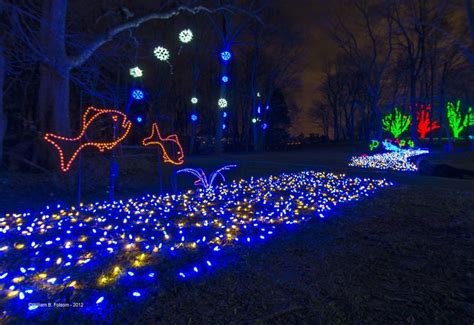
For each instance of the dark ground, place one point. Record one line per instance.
(403, 255)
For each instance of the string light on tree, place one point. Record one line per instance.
(139, 119)
(186, 36)
(194, 117)
(264, 126)
(222, 102)
(136, 72)
(254, 120)
(396, 123)
(457, 122)
(225, 79)
(161, 53)
(425, 122)
(194, 100)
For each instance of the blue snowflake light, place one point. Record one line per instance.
(226, 55)
(138, 94)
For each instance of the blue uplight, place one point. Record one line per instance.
(225, 55)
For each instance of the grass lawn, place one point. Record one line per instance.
(403, 254)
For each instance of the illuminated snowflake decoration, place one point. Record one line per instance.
(194, 100)
(225, 55)
(222, 102)
(138, 94)
(136, 72)
(186, 36)
(161, 53)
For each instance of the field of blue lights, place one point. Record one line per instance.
(90, 253)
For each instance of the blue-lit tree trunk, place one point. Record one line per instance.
(3, 118)
(253, 92)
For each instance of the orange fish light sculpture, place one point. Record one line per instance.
(115, 124)
(170, 142)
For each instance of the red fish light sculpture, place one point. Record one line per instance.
(172, 140)
(115, 122)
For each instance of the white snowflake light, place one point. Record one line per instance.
(194, 100)
(136, 72)
(222, 102)
(161, 53)
(186, 36)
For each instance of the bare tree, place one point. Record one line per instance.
(56, 63)
(371, 58)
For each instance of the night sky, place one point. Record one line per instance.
(308, 18)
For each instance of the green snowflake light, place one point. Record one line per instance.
(456, 122)
(396, 123)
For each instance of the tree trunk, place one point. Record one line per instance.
(413, 133)
(3, 118)
(53, 100)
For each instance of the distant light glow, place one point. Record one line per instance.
(225, 79)
(194, 100)
(194, 117)
(254, 120)
(139, 119)
(264, 126)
